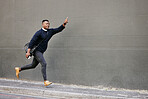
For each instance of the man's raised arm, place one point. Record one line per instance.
(59, 29)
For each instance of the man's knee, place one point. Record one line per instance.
(33, 65)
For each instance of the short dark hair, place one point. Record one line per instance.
(45, 20)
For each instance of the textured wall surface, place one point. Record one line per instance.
(105, 42)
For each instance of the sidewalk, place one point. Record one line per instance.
(66, 91)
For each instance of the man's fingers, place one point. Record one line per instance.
(26, 56)
(67, 19)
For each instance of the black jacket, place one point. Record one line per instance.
(40, 35)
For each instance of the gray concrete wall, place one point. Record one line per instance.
(105, 42)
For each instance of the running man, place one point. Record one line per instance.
(46, 34)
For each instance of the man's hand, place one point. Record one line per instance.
(27, 55)
(65, 22)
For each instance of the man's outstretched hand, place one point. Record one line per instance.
(66, 21)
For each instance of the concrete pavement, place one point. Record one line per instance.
(19, 96)
(57, 91)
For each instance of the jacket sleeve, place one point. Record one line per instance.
(57, 30)
(33, 40)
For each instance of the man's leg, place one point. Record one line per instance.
(39, 57)
(41, 60)
(30, 66)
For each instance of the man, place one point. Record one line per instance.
(43, 36)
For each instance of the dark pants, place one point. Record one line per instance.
(38, 58)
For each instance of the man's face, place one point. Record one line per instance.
(46, 25)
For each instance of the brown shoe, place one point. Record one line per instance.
(46, 83)
(17, 69)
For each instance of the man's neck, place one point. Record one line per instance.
(44, 29)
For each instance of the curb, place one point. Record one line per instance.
(48, 93)
(57, 91)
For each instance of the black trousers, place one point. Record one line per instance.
(38, 58)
